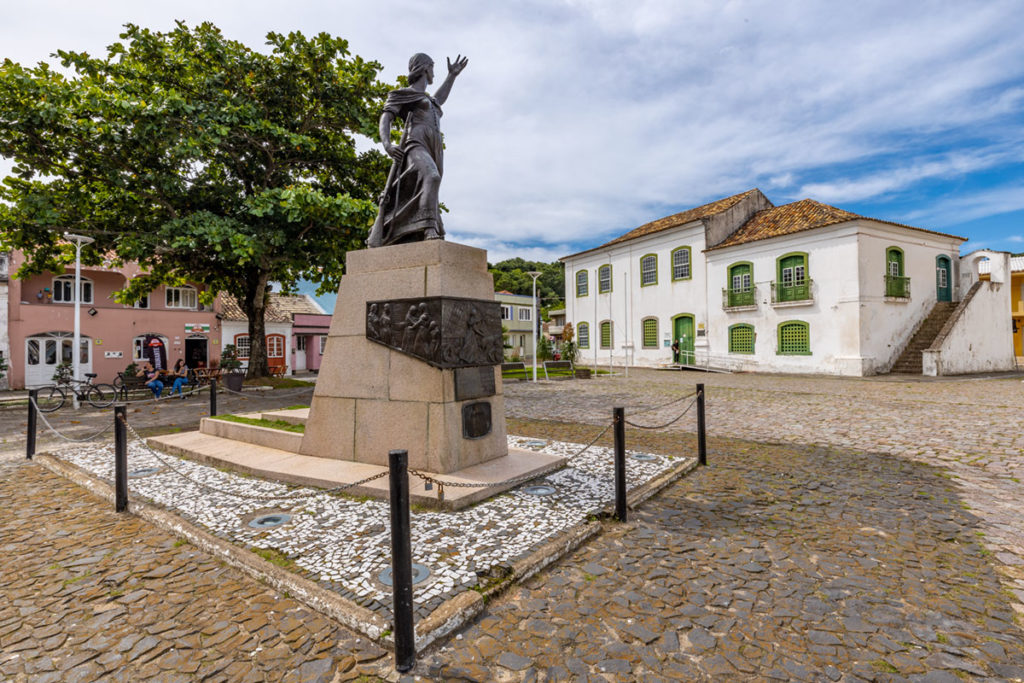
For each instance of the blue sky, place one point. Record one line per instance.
(578, 120)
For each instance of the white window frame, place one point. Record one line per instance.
(181, 295)
(681, 266)
(276, 338)
(300, 343)
(238, 346)
(506, 312)
(58, 286)
(525, 314)
(323, 343)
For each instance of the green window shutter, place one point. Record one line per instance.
(606, 335)
(583, 335)
(741, 285)
(741, 339)
(794, 338)
(650, 331)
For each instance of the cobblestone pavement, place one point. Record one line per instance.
(813, 555)
(90, 595)
(972, 427)
(777, 562)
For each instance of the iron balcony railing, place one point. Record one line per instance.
(797, 291)
(733, 298)
(897, 286)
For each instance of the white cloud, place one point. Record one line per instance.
(578, 120)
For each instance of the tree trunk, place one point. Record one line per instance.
(254, 305)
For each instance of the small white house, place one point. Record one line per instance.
(745, 285)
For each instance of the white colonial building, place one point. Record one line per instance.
(742, 284)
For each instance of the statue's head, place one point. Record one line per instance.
(421, 65)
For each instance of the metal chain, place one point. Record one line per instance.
(297, 392)
(53, 429)
(158, 399)
(441, 483)
(661, 407)
(667, 424)
(293, 496)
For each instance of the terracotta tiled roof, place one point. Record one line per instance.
(677, 219)
(273, 314)
(805, 214)
(300, 303)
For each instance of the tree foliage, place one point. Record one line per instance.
(197, 157)
(511, 275)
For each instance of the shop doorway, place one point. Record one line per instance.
(197, 351)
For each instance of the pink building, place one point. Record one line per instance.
(309, 336)
(170, 321)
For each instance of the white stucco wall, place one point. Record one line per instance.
(887, 324)
(980, 336)
(831, 315)
(230, 328)
(628, 302)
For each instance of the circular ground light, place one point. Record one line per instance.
(536, 444)
(420, 573)
(645, 457)
(143, 472)
(539, 490)
(271, 520)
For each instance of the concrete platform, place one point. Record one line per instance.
(268, 462)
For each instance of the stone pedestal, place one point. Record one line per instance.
(370, 398)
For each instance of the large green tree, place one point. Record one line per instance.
(511, 275)
(196, 156)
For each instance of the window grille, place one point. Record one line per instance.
(181, 297)
(650, 333)
(741, 339)
(604, 279)
(606, 334)
(64, 288)
(242, 344)
(583, 335)
(794, 338)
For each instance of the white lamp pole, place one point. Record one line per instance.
(534, 274)
(79, 240)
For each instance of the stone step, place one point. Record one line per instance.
(306, 470)
(911, 360)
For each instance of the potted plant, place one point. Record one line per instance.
(571, 352)
(230, 367)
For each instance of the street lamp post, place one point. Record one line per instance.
(76, 342)
(534, 274)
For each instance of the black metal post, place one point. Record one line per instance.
(30, 441)
(401, 562)
(213, 397)
(620, 464)
(120, 459)
(702, 443)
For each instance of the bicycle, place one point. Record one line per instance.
(53, 397)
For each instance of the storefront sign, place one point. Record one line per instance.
(197, 327)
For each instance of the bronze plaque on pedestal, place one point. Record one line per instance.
(476, 420)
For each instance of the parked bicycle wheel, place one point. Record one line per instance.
(101, 395)
(50, 399)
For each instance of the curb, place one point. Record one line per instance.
(451, 615)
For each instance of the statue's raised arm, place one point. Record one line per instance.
(409, 204)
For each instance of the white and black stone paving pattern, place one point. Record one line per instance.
(345, 543)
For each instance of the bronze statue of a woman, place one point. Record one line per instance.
(408, 206)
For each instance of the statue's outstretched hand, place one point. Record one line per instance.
(395, 152)
(456, 67)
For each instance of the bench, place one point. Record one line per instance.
(517, 368)
(559, 365)
(277, 370)
(127, 384)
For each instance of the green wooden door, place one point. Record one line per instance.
(682, 331)
(793, 283)
(943, 286)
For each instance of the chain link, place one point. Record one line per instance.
(297, 392)
(661, 407)
(42, 416)
(667, 424)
